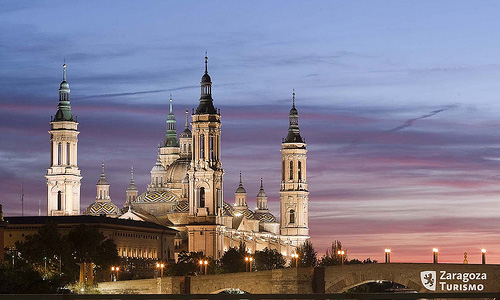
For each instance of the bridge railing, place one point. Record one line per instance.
(410, 296)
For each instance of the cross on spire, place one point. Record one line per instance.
(293, 98)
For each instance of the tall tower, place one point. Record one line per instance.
(294, 195)
(169, 150)
(131, 190)
(205, 175)
(63, 175)
(240, 196)
(262, 199)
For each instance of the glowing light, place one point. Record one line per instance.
(387, 250)
(435, 250)
(483, 250)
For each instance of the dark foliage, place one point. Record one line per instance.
(269, 260)
(307, 255)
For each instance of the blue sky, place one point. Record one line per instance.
(398, 102)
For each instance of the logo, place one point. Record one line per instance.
(428, 279)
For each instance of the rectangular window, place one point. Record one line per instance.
(202, 147)
(211, 142)
(299, 169)
(291, 170)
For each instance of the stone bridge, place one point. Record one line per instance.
(335, 279)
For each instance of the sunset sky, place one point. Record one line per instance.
(399, 103)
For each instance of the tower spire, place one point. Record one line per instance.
(186, 125)
(293, 128)
(64, 70)
(64, 107)
(206, 105)
(132, 174)
(171, 134)
(206, 62)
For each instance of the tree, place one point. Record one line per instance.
(307, 255)
(233, 260)
(331, 257)
(88, 244)
(187, 264)
(269, 260)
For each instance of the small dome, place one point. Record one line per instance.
(241, 190)
(176, 172)
(102, 208)
(64, 85)
(294, 111)
(185, 134)
(206, 78)
(158, 167)
(261, 193)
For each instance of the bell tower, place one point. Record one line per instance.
(63, 175)
(294, 196)
(205, 176)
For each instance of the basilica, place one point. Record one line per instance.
(186, 188)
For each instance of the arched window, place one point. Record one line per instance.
(291, 170)
(59, 154)
(211, 147)
(292, 216)
(283, 172)
(202, 197)
(59, 200)
(299, 170)
(202, 147)
(67, 153)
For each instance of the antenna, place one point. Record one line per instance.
(22, 199)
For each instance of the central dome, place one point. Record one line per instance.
(176, 172)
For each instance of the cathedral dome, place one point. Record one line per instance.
(176, 172)
(206, 78)
(241, 190)
(102, 208)
(265, 217)
(156, 197)
(158, 167)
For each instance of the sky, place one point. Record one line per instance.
(398, 103)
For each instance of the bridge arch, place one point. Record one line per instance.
(341, 279)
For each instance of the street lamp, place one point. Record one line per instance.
(341, 254)
(203, 263)
(160, 266)
(483, 256)
(114, 276)
(435, 252)
(249, 260)
(387, 255)
(296, 257)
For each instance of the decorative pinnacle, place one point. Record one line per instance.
(206, 62)
(132, 174)
(187, 122)
(102, 170)
(293, 98)
(261, 185)
(240, 179)
(64, 70)
(171, 103)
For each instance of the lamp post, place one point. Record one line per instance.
(341, 254)
(387, 256)
(296, 257)
(114, 276)
(249, 260)
(435, 252)
(483, 256)
(160, 266)
(203, 263)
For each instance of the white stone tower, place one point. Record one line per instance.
(205, 176)
(185, 139)
(63, 175)
(293, 193)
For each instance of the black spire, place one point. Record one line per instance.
(293, 129)
(206, 105)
